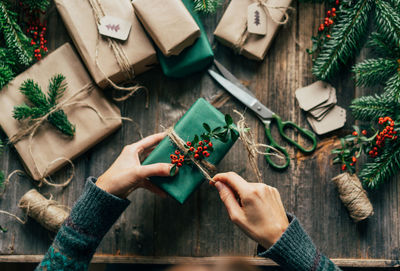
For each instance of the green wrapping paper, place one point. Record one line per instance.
(194, 58)
(189, 178)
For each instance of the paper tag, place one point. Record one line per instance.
(114, 27)
(335, 119)
(256, 19)
(315, 95)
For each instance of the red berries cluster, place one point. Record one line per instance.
(388, 132)
(177, 158)
(328, 21)
(199, 151)
(36, 30)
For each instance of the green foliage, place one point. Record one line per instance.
(392, 89)
(383, 46)
(345, 39)
(382, 168)
(33, 5)
(372, 71)
(370, 108)
(387, 21)
(41, 105)
(206, 6)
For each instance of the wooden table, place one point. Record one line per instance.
(155, 230)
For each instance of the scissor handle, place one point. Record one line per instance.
(269, 152)
(304, 132)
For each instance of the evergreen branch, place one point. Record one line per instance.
(206, 6)
(33, 5)
(370, 108)
(57, 87)
(383, 46)
(6, 75)
(14, 38)
(392, 88)
(43, 106)
(387, 21)
(382, 168)
(345, 39)
(373, 71)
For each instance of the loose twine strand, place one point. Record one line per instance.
(239, 46)
(353, 196)
(120, 56)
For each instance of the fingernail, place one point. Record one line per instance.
(218, 185)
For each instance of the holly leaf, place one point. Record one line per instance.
(207, 127)
(172, 171)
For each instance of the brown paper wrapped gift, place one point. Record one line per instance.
(48, 144)
(231, 30)
(79, 19)
(169, 24)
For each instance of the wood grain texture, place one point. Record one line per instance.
(155, 230)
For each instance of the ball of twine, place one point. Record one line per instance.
(353, 196)
(49, 213)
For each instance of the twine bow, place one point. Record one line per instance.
(120, 56)
(239, 46)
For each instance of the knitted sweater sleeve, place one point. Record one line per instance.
(92, 216)
(295, 251)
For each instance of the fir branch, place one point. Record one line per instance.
(387, 21)
(345, 38)
(42, 104)
(392, 88)
(16, 41)
(383, 46)
(370, 108)
(206, 6)
(373, 71)
(34, 5)
(382, 168)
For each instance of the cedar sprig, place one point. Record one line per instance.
(206, 6)
(40, 104)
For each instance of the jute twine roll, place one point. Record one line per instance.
(49, 213)
(353, 196)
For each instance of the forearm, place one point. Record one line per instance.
(295, 251)
(92, 216)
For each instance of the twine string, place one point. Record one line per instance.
(353, 196)
(120, 56)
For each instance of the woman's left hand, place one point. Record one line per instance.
(127, 174)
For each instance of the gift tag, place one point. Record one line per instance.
(114, 27)
(315, 95)
(335, 119)
(256, 19)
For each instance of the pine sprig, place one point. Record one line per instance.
(372, 71)
(382, 168)
(392, 89)
(41, 105)
(206, 6)
(387, 21)
(370, 108)
(345, 38)
(383, 46)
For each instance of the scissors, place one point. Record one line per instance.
(230, 83)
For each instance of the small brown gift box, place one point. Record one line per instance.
(233, 25)
(48, 144)
(169, 24)
(80, 21)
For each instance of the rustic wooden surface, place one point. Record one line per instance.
(155, 228)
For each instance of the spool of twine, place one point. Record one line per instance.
(49, 213)
(353, 196)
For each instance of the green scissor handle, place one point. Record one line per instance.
(281, 128)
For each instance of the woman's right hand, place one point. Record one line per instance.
(256, 208)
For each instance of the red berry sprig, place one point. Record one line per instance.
(328, 21)
(387, 133)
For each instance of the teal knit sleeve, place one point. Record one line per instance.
(92, 216)
(295, 251)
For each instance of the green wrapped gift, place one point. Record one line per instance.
(189, 177)
(194, 58)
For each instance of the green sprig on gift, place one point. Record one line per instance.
(41, 104)
(206, 6)
(382, 147)
(201, 146)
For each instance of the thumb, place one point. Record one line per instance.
(228, 198)
(159, 169)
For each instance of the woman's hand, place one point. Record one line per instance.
(256, 208)
(127, 174)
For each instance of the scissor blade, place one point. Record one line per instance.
(228, 75)
(251, 102)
